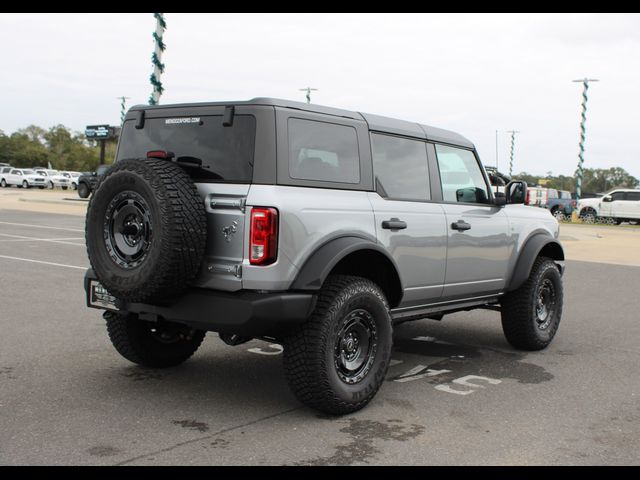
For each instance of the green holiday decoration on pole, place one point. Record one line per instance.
(585, 82)
(122, 108)
(513, 140)
(156, 59)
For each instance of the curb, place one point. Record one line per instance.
(69, 201)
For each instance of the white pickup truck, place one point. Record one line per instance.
(617, 206)
(22, 177)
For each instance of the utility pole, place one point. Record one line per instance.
(156, 59)
(122, 109)
(308, 90)
(585, 82)
(513, 141)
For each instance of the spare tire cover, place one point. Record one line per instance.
(146, 230)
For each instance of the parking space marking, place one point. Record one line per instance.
(45, 263)
(42, 226)
(21, 238)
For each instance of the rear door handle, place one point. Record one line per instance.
(460, 225)
(394, 224)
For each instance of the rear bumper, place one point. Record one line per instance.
(246, 312)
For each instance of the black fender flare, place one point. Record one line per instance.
(532, 248)
(320, 263)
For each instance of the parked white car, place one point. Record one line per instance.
(619, 205)
(73, 179)
(54, 178)
(22, 177)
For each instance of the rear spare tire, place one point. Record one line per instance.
(145, 230)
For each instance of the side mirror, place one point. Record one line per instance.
(94, 174)
(516, 191)
(499, 199)
(607, 198)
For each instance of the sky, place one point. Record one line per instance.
(471, 73)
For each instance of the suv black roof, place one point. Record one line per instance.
(376, 122)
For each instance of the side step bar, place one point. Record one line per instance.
(421, 311)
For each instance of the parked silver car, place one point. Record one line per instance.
(315, 227)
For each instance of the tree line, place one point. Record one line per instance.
(594, 180)
(65, 149)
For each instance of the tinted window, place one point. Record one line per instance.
(633, 196)
(462, 179)
(323, 151)
(226, 152)
(400, 167)
(617, 196)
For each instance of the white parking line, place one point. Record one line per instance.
(42, 226)
(45, 263)
(21, 238)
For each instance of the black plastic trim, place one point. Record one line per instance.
(528, 256)
(247, 312)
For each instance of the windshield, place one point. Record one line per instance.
(225, 153)
(27, 172)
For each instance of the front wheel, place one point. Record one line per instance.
(3, 183)
(25, 184)
(337, 360)
(152, 344)
(83, 190)
(531, 314)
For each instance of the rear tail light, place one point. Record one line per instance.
(263, 247)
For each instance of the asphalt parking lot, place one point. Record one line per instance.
(456, 393)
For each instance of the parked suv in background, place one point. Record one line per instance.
(87, 181)
(314, 227)
(54, 178)
(560, 203)
(619, 205)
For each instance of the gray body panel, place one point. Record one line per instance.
(420, 250)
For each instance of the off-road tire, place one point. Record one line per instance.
(310, 363)
(174, 249)
(137, 341)
(520, 322)
(83, 190)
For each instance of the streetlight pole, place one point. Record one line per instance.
(513, 141)
(122, 109)
(585, 82)
(308, 90)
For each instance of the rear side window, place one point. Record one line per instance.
(633, 196)
(400, 167)
(226, 153)
(322, 151)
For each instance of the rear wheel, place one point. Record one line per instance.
(74, 186)
(531, 314)
(337, 360)
(50, 185)
(152, 344)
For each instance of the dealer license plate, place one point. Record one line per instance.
(99, 297)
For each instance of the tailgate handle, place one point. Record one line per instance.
(228, 203)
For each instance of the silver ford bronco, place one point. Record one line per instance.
(313, 227)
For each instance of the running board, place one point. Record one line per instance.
(421, 311)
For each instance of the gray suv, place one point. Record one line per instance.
(314, 227)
